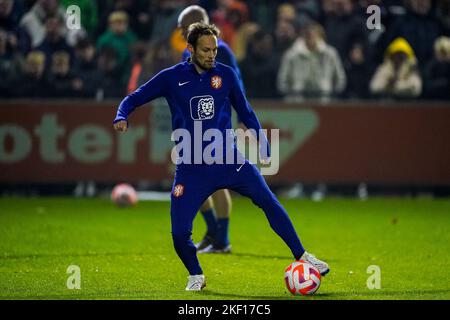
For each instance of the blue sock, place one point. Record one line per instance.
(211, 222)
(222, 232)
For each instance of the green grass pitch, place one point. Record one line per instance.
(128, 253)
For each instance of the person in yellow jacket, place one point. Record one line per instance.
(398, 75)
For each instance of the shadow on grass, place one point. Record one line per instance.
(215, 295)
(208, 292)
(265, 256)
(363, 295)
(260, 256)
(109, 254)
(403, 294)
(65, 255)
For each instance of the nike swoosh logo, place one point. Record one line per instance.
(182, 83)
(239, 169)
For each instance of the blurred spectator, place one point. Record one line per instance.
(236, 17)
(10, 14)
(397, 76)
(109, 75)
(307, 11)
(120, 38)
(139, 10)
(286, 12)
(419, 27)
(10, 57)
(60, 79)
(219, 15)
(43, 28)
(311, 68)
(10, 63)
(177, 41)
(31, 82)
(138, 52)
(260, 67)
(437, 75)
(54, 40)
(263, 13)
(104, 9)
(284, 36)
(85, 67)
(241, 39)
(443, 15)
(358, 72)
(165, 16)
(160, 56)
(34, 22)
(342, 25)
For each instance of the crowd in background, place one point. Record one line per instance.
(293, 49)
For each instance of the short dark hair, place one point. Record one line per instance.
(198, 29)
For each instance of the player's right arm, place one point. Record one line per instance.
(152, 89)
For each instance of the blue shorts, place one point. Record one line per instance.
(193, 184)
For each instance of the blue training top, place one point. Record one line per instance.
(195, 97)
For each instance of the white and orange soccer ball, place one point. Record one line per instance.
(302, 278)
(124, 195)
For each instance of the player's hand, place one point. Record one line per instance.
(121, 126)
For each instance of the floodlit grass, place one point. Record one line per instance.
(128, 253)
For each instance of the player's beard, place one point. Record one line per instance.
(202, 66)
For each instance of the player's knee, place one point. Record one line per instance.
(264, 199)
(180, 237)
(207, 205)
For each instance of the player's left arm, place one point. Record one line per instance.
(226, 56)
(248, 116)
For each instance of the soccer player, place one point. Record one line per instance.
(200, 93)
(216, 209)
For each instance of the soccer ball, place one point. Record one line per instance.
(302, 278)
(124, 195)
